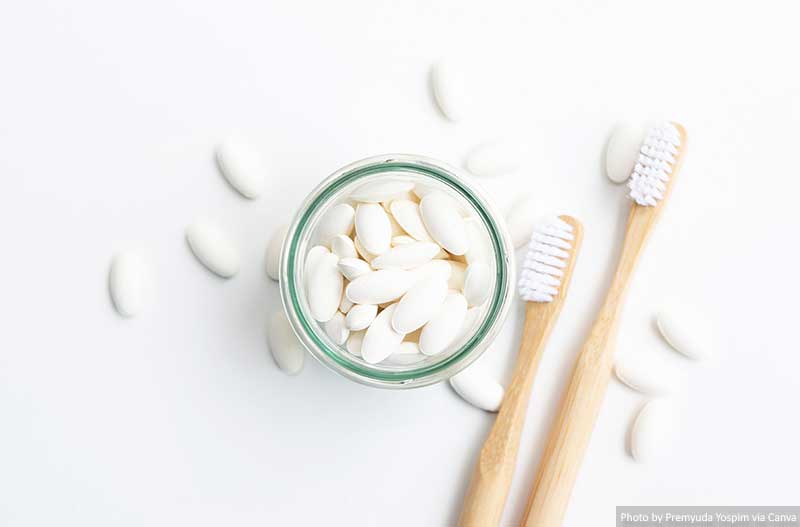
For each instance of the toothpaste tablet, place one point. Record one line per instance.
(352, 268)
(360, 316)
(478, 390)
(407, 214)
(383, 190)
(313, 257)
(129, 282)
(407, 354)
(443, 328)
(449, 90)
(379, 287)
(343, 247)
(458, 272)
(408, 256)
(354, 342)
(338, 220)
(381, 340)
(373, 228)
(641, 374)
(337, 329)
(651, 430)
(444, 222)
(345, 305)
(420, 304)
(242, 166)
(287, 351)
(477, 283)
(325, 288)
(622, 151)
(684, 331)
(213, 248)
(402, 240)
(362, 252)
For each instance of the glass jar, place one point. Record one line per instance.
(335, 189)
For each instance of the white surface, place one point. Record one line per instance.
(110, 114)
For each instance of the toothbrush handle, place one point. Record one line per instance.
(568, 440)
(491, 481)
(494, 471)
(581, 404)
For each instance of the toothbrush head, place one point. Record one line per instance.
(550, 258)
(658, 157)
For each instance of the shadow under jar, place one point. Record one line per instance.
(425, 173)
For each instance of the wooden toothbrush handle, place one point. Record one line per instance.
(577, 414)
(491, 480)
(568, 440)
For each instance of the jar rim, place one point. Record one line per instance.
(470, 350)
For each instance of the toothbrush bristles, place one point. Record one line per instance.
(545, 260)
(656, 158)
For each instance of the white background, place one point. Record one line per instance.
(109, 114)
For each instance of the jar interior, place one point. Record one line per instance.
(470, 338)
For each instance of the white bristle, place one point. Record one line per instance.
(654, 165)
(545, 260)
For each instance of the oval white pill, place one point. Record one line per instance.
(338, 220)
(449, 90)
(477, 283)
(407, 214)
(444, 223)
(354, 342)
(407, 353)
(407, 256)
(381, 286)
(685, 331)
(313, 257)
(242, 166)
(273, 257)
(494, 159)
(479, 244)
(436, 267)
(402, 240)
(345, 305)
(641, 374)
(420, 304)
(622, 151)
(286, 349)
(373, 228)
(397, 230)
(651, 430)
(383, 190)
(336, 328)
(362, 252)
(352, 268)
(443, 328)
(520, 221)
(213, 248)
(381, 340)
(470, 321)
(130, 282)
(420, 189)
(458, 272)
(325, 288)
(343, 247)
(361, 316)
(478, 389)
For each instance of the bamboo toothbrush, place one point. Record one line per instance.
(543, 284)
(650, 184)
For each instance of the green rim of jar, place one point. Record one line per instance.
(305, 327)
